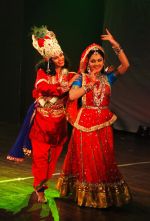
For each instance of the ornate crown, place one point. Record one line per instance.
(45, 42)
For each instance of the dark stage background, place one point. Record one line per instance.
(77, 24)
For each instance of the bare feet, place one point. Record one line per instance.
(41, 197)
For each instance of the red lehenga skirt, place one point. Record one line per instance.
(90, 172)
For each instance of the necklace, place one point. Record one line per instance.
(99, 90)
(60, 77)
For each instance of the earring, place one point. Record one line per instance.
(88, 69)
(48, 69)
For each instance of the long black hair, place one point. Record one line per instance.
(43, 64)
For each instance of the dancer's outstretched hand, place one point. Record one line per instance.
(108, 37)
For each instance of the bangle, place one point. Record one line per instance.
(117, 49)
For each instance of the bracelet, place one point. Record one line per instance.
(117, 49)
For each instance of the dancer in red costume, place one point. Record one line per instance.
(49, 130)
(90, 171)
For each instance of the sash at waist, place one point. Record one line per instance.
(94, 107)
(55, 110)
